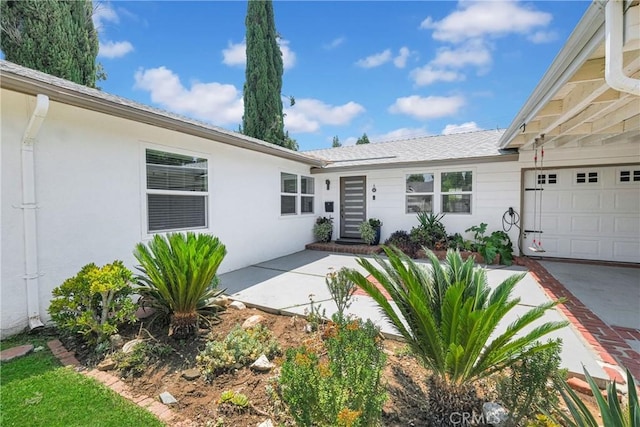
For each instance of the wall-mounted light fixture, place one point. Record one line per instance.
(374, 188)
(328, 184)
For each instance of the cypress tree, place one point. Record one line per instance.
(263, 116)
(53, 36)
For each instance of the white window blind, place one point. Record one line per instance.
(177, 191)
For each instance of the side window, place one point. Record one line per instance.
(177, 191)
(457, 191)
(419, 193)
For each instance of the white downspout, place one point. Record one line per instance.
(29, 207)
(613, 68)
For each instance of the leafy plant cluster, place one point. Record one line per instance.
(369, 230)
(323, 229)
(449, 317)
(343, 388)
(525, 387)
(142, 356)
(402, 240)
(94, 302)
(231, 400)
(178, 278)
(430, 232)
(239, 348)
(489, 246)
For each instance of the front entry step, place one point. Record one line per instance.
(350, 241)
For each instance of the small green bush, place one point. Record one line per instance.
(430, 232)
(136, 362)
(367, 232)
(94, 302)
(323, 229)
(526, 388)
(239, 348)
(344, 389)
(496, 243)
(402, 240)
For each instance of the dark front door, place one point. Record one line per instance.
(353, 203)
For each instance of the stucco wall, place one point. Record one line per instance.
(90, 187)
(496, 187)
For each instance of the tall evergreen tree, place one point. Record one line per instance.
(364, 139)
(54, 36)
(336, 142)
(263, 116)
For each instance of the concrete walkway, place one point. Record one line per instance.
(285, 285)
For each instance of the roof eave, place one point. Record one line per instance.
(583, 41)
(30, 86)
(422, 163)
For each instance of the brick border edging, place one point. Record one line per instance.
(157, 408)
(605, 340)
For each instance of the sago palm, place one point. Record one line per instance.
(179, 277)
(447, 314)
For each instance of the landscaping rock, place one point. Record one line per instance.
(266, 423)
(167, 398)
(191, 374)
(130, 345)
(223, 301)
(106, 365)
(38, 349)
(262, 364)
(116, 341)
(144, 312)
(237, 305)
(12, 353)
(580, 385)
(253, 321)
(494, 414)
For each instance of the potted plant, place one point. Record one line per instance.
(323, 229)
(370, 231)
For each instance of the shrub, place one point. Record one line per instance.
(323, 228)
(448, 315)
(179, 278)
(430, 232)
(94, 302)
(497, 243)
(367, 232)
(343, 389)
(341, 289)
(140, 358)
(525, 388)
(239, 348)
(402, 241)
(230, 400)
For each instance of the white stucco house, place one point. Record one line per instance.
(86, 175)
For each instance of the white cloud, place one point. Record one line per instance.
(307, 115)
(235, 54)
(350, 141)
(543, 37)
(427, 75)
(429, 107)
(111, 49)
(464, 127)
(400, 61)
(103, 12)
(475, 19)
(401, 133)
(217, 103)
(375, 60)
(334, 43)
(474, 52)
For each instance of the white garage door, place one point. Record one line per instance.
(587, 213)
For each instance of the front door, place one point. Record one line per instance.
(353, 203)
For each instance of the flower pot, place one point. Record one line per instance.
(376, 241)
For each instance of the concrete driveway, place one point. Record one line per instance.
(285, 284)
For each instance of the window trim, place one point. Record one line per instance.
(144, 211)
(407, 193)
(298, 194)
(470, 193)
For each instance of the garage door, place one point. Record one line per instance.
(587, 213)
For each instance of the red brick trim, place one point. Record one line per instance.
(160, 410)
(607, 341)
(345, 249)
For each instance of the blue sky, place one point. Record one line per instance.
(390, 69)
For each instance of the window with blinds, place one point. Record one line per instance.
(177, 191)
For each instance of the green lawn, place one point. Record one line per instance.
(36, 391)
